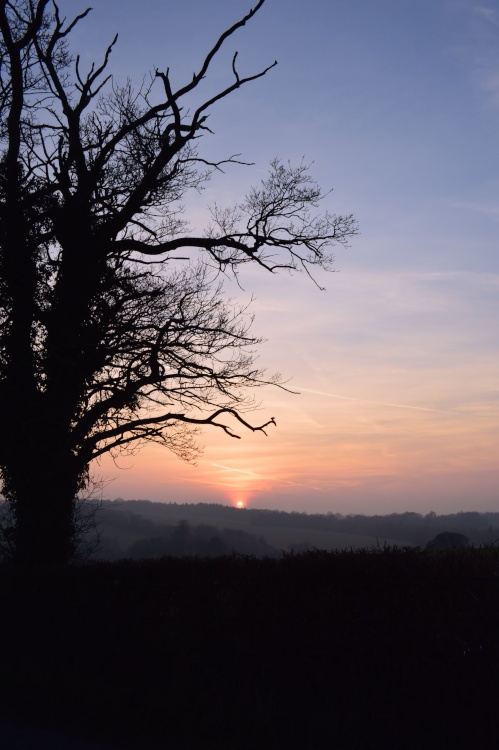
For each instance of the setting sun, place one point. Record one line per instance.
(396, 363)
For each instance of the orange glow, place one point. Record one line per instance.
(374, 448)
(237, 497)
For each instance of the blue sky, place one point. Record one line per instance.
(396, 103)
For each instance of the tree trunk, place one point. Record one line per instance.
(44, 526)
(41, 480)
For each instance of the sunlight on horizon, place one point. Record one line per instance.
(398, 361)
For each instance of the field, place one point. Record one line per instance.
(286, 538)
(394, 648)
(259, 532)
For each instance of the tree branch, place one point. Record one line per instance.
(163, 421)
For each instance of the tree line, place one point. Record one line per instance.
(143, 529)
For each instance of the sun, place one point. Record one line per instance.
(238, 497)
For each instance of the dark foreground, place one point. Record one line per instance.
(387, 648)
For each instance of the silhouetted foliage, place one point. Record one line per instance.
(317, 650)
(447, 541)
(109, 335)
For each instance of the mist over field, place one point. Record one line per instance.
(140, 529)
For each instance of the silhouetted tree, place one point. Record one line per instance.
(447, 540)
(107, 338)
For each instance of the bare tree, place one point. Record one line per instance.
(109, 335)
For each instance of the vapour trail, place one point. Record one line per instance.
(239, 471)
(259, 476)
(367, 401)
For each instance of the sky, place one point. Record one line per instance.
(395, 105)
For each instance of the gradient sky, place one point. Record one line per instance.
(396, 103)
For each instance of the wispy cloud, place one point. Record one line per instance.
(487, 209)
(483, 50)
(368, 401)
(477, 43)
(238, 471)
(485, 11)
(279, 480)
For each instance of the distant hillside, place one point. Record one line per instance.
(144, 529)
(141, 529)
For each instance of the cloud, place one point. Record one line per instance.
(487, 209)
(368, 401)
(489, 14)
(279, 480)
(490, 84)
(239, 471)
(482, 50)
